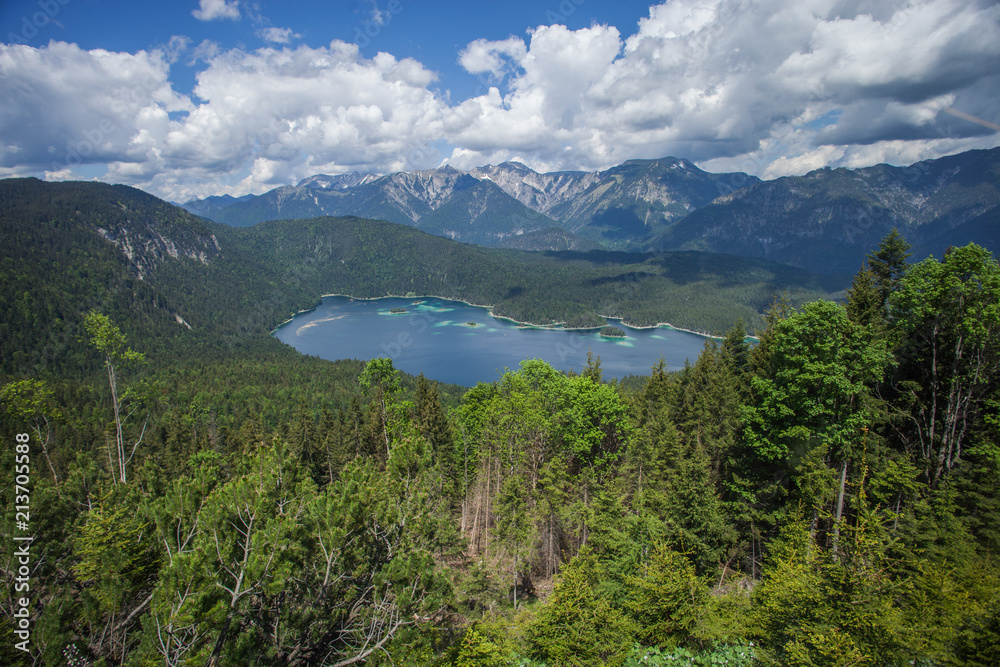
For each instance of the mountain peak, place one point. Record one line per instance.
(513, 164)
(677, 162)
(335, 182)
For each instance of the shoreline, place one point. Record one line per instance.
(489, 309)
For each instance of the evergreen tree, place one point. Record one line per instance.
(577, 626)
(114, 561)
(431, 421)
(667, 599)
(735, 348)
(760, 357)
(865, 300)
(593, 369)
(888, 263)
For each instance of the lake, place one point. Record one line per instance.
(462, 344)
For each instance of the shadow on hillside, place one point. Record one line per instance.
(599, 256)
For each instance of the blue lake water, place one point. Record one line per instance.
(434, 337)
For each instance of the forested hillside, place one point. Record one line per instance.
(198, 493)
(225, 283)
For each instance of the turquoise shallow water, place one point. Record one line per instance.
(434, 337)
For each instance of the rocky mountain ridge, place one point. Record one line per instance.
(830, 217)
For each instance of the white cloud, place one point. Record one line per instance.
(718, 79)
(65, 107)
(377, 15)
(260, 118)
(497, 58)
(278, 35)
(209, 10)
(204, 52)
(177, 45)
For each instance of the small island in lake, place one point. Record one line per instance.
(612, 332)
(397, 310)
(472, 324)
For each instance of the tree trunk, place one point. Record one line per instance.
(840, 509)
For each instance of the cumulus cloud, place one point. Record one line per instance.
(65, 107)
(497, 58)
(255, 119)
(714, 80)
(176, 47)
(209, 10)
(204, 52)
(310, 108)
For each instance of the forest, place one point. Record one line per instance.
(826, 496)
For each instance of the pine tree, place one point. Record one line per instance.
(865, 300)
(577, 625)
(760, 356)
(735, 348)
(667, 598)
(593, 369)
(430, 420)
(888, 263)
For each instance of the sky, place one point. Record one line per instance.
(191, 98)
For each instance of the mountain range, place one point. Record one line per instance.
(826, 220)
(619, 208)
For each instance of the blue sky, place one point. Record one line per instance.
(192, 98)
(431, 31)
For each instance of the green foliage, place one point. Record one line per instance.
(110, 341)
(577, 626)
(379, 377)
(613, 332)
(29, 401)
(865, 301)
(732, 655)
(112, 550)
(114, 563)
(820, 365)
(666, 599)
(976, 481)
(888, 264)
(979, 644)
(947, 323)
(736, 348)
(479, 651)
